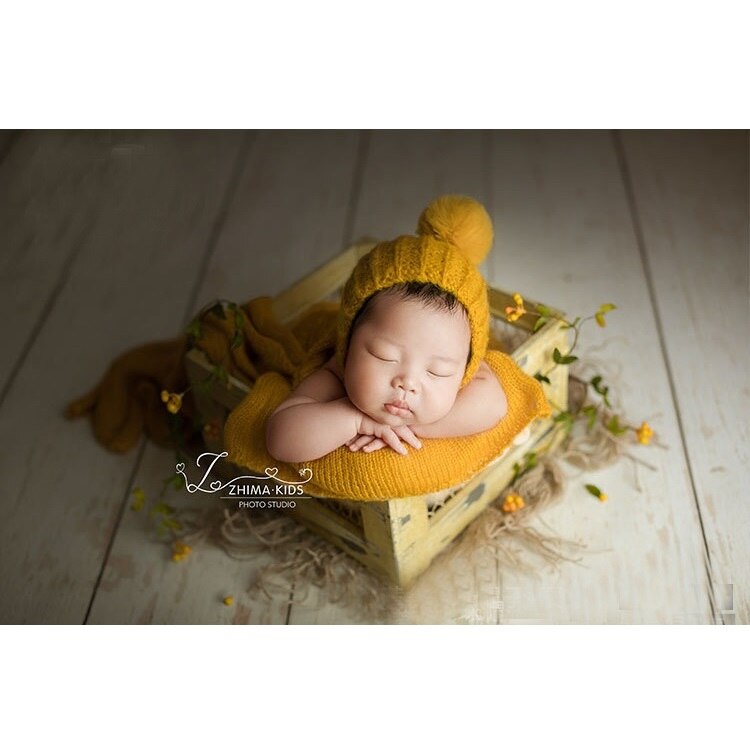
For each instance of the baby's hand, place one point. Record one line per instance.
(373, 435)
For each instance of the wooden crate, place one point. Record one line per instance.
(398, 539)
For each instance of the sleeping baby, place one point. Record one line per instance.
(412, 332)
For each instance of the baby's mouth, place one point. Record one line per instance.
(398, 408)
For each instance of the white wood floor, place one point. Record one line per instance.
(108, 240)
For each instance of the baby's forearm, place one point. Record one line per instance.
(309, 431)
(478, 407)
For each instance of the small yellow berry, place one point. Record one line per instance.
(644, 433)
(228, 601)
(603, 497)
(181, 551)
(164, 396)
(512, 503)
(174, 403)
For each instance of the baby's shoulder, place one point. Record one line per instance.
(484, 371)
(333, 366)
(323, 385)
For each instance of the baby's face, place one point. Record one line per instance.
(406, 361)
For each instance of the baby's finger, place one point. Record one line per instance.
(373, 445)
(359, 442)
(389, 436)
(409, 436)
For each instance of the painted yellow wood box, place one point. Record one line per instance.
(398, 539)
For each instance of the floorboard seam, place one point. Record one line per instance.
(116, 528)
(45, 312)
(213, 238)
(645, 263)
(218, 225)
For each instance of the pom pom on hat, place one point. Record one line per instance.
(461, 221)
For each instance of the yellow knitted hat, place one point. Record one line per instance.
(454, 235)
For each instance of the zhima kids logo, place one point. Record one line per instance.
(261, 491)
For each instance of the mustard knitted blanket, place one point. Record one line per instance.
(385, 474)
(126, 402)
(273, 358)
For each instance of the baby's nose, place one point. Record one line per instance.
(405, 382)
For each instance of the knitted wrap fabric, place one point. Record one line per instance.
(454, 235)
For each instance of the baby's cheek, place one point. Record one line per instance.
(448, 401)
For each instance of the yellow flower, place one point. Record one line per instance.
(180, 551)
(514, 313)
(644, 433)
(512, 503)
(228, 601)
(139, 498)
(173, 401)
(603, 497)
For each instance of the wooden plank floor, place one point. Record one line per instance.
(108, 240)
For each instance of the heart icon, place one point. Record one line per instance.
(271, 472)
(216, 484)
(180, 467)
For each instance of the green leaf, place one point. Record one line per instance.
(613, 425)
(542, 378)
(591, 412)
(236, 340)
(599, 316)
(221, 374)
(566, 419)
(594, 490)
(540, 323)
(561, 359)
(544, 310)
(194, 330)
(516, 472)
(161, 509)
(596, 384)
(217, 310)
